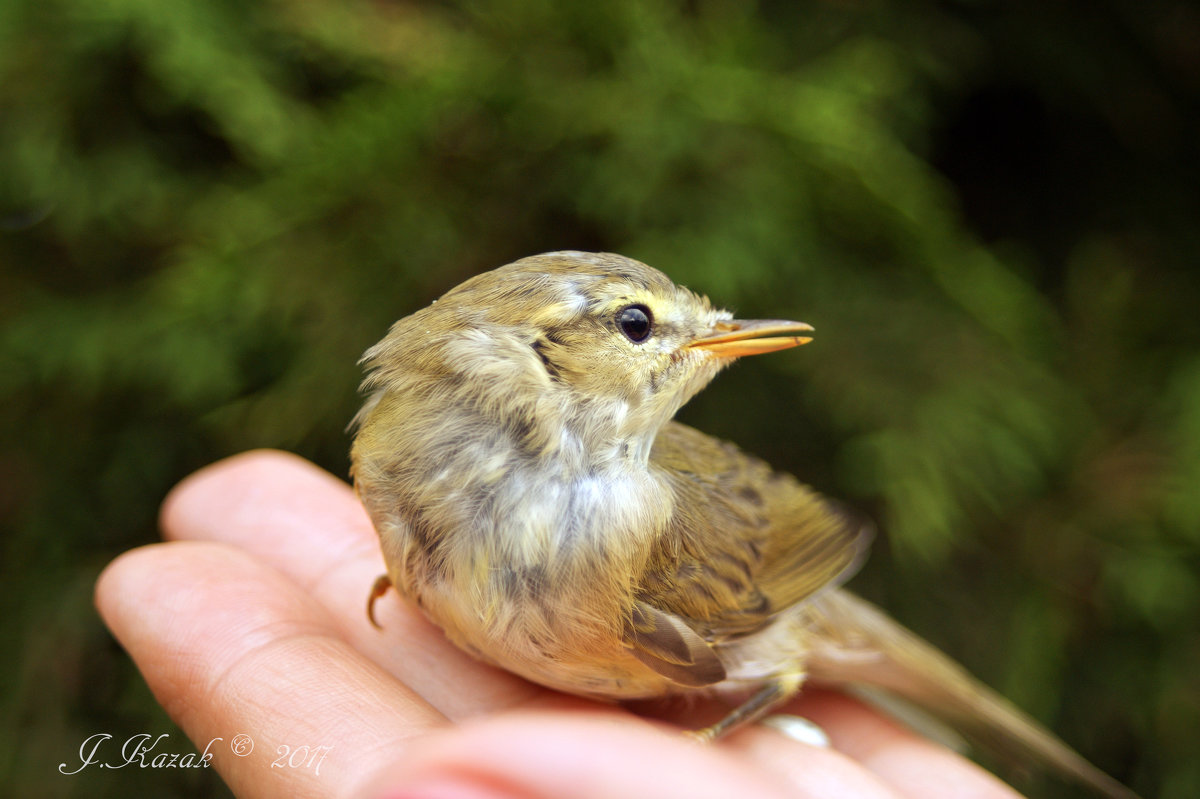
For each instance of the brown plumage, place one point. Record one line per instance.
(532, 495)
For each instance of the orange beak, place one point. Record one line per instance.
(738, 337)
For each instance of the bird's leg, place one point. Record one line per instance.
(761, 702)
(378, 589)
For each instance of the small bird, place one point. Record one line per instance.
(517, 456)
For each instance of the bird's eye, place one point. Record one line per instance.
(635, 322)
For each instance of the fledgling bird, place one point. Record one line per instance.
(533, 496)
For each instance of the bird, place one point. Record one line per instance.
(533, 496)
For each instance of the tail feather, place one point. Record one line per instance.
(859, 644)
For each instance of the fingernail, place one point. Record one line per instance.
(798, 729)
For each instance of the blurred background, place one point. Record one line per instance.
(988, 210)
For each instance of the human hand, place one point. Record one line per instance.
(252, 620)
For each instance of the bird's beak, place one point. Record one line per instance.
(737, 337)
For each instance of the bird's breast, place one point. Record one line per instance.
(535, 569)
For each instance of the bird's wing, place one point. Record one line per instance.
(667, 644)
(745, 542)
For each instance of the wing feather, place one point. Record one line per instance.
(745, 542)
(665, 643)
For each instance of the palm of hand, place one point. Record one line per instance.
(251, 621)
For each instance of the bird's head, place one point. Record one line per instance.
(590, 349)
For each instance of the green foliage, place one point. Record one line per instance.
(209, 209)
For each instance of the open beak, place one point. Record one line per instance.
(737, 337)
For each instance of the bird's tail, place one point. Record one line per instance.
(859, 645)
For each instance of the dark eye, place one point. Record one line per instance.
(635, 322)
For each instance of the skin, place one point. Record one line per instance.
(250, 620)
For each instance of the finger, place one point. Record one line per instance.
(915, 766)
(309, 525)
(805, 767)
(551, 755)
(230, 647)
